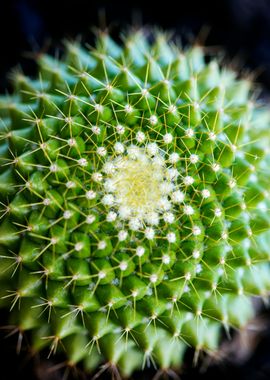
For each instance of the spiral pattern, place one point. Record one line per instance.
(134, 192)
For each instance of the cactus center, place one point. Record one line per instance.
(139, 186)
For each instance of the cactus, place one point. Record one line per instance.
(135, 215)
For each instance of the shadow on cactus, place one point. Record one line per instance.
(134, 203)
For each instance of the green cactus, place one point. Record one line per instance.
(134, 199)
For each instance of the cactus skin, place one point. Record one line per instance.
(134, 203)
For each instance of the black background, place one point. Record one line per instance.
(239, 27)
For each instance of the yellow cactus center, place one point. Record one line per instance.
(139, 185)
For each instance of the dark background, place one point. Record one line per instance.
(239, 27)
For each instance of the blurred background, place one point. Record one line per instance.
(240, 28)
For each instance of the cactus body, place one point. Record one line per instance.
(134, 203)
